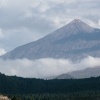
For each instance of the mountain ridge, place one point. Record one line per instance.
(81, 74)
(72, 41)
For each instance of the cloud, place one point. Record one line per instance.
(84, 10)
(47, 67)
(33, 19)
(2, 52)
(1, 34)
(3, 3)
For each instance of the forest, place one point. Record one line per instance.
(19, 88)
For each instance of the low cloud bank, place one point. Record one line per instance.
(47, 67)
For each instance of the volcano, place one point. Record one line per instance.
(75, 40)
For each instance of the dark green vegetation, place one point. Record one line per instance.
(38, 89)
(72, 96)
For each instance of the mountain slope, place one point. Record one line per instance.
(64, 76)
(72, 41)
(86, 73)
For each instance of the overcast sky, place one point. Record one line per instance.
(23, 21)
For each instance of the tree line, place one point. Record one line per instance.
(39, 89)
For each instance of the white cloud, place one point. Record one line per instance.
(99, 23)
(3, 3)
(2, 52)
(42, 68)
(41, 17)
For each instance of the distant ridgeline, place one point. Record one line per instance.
(18, 85)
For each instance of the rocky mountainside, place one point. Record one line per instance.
(74, 41)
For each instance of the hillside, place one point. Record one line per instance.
(74, 41)
(86, 73)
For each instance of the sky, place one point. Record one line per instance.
(24, 21)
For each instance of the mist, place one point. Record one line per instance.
(47, 67)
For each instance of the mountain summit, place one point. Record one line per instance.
(81, 26)
(74, 41)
